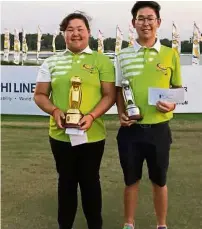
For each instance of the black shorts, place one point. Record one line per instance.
(144, 142)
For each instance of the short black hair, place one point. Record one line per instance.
(142, 4)
(68, 18)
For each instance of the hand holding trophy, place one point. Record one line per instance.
(132, 110)
(73, 114)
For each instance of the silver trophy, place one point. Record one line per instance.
(132, 110)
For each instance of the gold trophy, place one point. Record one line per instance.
(73, 114)
(132, 110)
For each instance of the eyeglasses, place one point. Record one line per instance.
(141, 21)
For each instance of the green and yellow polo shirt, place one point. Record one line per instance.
(92, 68)
(158, 66)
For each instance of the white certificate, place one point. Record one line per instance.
(175, 95)
(77, 137)
(74, 131)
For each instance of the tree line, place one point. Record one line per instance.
(109, 43)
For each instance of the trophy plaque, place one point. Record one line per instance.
(74, 114)
(132, 110)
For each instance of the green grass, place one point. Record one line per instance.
(28, 118)
(195, 116)
(29, 179)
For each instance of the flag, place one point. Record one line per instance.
(6, 44)
(131, 36)
(53, 41)
(39, 35)
(119, 40)
(196, 45)
(16, 56)
(100, 42)
(176, 43)
(24, 46)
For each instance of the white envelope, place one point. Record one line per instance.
(175, 95)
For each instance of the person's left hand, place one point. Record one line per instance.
(86, 122)
(165, 106)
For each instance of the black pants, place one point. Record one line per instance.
(78, 165)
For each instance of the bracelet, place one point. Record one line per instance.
(52, 113)
(92, 116)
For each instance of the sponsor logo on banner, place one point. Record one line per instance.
(18, 84)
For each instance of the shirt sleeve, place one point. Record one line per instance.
(44, 73)
(118, 73)
(106, 69)
(176, 79)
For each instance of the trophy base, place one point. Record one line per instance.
(72, 120)
(134, 113)
(137, 117)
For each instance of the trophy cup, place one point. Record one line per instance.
(132, 110)
(73, 114)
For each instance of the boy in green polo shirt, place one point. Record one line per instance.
(146, 64)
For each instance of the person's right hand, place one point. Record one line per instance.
(59, 117)
(125, 121)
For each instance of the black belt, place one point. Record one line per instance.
(150, 125)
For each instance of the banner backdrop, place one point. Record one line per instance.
(18, 84)
(192, 82)
(17, 90)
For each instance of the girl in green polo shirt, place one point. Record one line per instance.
(77, 164)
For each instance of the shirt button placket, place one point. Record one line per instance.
(146, 51)
(74, 59)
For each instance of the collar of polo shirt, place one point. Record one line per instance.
(87, 50)
(156, 46)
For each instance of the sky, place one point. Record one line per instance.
(106, 15)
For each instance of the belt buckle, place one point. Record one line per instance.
(145, 126)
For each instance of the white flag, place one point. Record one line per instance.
(16, 47)
(119, 40)
(100, 42)
(53, 41)
(131, 36)
(176, 43)
(39, 35)
(196, 45)
(24, 46)
(6, 44)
